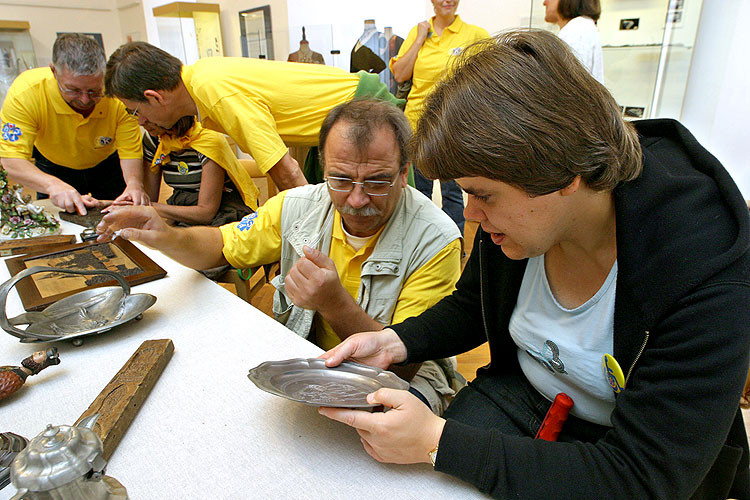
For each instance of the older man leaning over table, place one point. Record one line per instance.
(62, 138)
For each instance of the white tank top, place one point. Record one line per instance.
(559, 349)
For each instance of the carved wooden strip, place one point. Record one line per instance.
(119, 402)
(26, 245)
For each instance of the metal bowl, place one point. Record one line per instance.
(89, 312)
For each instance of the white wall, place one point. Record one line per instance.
(716, 106)
(48, 17)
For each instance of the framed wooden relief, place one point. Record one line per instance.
(42, 289)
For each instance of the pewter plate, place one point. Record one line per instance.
(309, 381)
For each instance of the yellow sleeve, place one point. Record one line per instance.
(404, 47)
(18, 127)
(256, 239)
(251, 124)
(430, 283)
(127, 135)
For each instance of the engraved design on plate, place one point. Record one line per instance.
(329, 392)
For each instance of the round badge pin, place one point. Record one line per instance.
(613, 373)
(182, 168)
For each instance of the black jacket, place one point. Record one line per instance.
(681, 335)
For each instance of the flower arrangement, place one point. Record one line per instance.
(19, 218)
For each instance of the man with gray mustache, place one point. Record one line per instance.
(359, 252)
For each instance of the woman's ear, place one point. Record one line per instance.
(572, 187)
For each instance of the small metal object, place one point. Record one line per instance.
(10, 445)
(311, 382)
(89, 234)
(89, 312)
(65, 462)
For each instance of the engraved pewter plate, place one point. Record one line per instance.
(309, 381)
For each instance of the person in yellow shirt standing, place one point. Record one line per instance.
(265, 106)
(63, 139)
(424, 57)
(359, 252)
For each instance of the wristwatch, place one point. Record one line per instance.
(433, 455)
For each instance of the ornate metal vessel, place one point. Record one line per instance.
(65, 463)
(89, 312)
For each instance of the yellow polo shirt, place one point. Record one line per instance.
(435, 56)
(35, 114)
(266, 106)
(256, 240)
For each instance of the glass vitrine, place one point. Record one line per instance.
(646, 48)
(189, 31)
(16, 53)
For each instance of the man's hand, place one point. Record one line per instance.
(139, 223)
(313, 283)
(379, 348)
(403, 435)
(134, 194)
(66, 197)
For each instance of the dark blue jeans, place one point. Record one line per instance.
(453, 199)
(510, 404)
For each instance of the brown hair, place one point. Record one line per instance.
(521, 109)
(137, 67)
(568, 9)
(365, 116)
(181, 127)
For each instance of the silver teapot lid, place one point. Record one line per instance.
(59, 455)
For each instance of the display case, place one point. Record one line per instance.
(16, 53)
(647, 48)
(190, 31)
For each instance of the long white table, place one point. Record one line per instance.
(206, 431)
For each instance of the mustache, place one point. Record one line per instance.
(366, 211)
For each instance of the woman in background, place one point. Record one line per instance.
(423, 57)
(577, 22)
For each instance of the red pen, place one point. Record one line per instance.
(555, 418)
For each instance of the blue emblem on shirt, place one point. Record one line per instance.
(103, 140)
(457, 51)
(11, 132)
(160, 159)
(247, 222)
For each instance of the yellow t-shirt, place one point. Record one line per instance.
(35, 114)
(256, 240)
(435, 56)
(266, 106)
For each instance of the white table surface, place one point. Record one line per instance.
(206, 431)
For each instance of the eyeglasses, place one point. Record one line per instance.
(78, 93)
(371, 188)
(134, 113)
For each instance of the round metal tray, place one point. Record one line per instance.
(90, 312)
(309, 381)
